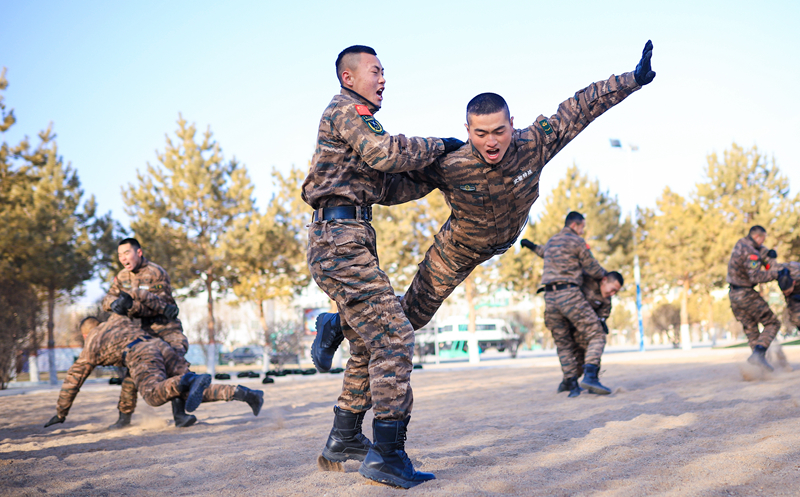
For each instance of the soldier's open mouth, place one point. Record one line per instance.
(492, 153)
(380, 93)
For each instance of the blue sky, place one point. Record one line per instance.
(113, 76)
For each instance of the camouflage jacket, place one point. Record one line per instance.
(151, 290)
(567, 257)
(490, 203)
(744, 267)
(354, 153)
(591, 290)
(103, 347)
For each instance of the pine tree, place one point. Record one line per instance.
(184, 207)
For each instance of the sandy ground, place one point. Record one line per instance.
(698, 422)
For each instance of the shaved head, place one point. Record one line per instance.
(349, 59)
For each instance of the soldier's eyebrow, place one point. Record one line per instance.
(499, 128)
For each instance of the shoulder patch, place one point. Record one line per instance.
(588, 247)
(546, 126)
(468, 188)
(753, 257)
(363, 110)
(373, 124)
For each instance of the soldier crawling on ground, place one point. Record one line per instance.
(490, 186)
(749, 308)
(574, 333)
(142, 290)
(159, 373)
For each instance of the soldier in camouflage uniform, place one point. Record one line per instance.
(749, 308)
(160, 374)
(789, 281)
(348, 174)
(571, 343)
(142, 290)
(490, 186)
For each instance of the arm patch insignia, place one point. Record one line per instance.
(373, 124)
(753, 257)
(754, 264)
(546, 126)
(363, 110)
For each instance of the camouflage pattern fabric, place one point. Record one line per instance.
(567, 258)
(490, 203)
(793, 299)
(103, 347)
(749, 308)
(576, 330)
(343, 260)
(352, 159)
(150, 287)
(744, 266)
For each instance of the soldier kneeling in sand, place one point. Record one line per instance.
(160, 374)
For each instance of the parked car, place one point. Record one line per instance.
(250, 354)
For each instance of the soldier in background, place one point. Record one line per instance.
(567, 259)
(142, 290)
(570, 342)
(159, 373)
(347, 176)
(749, 308)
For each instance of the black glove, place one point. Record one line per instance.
(785, 279)
(643, 73)
(772, 254)
(528, 244)
(54, 420)
(171, 311)
(122, 305)
(604, 326)
(451, 145)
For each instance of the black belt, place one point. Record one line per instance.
(737, 287)
(553, 287)
(133, 344)
(360, 212)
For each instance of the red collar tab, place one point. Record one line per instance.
(363, 110)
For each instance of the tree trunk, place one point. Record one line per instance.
(51, 341)
(712, 326)
(474, 352)
(686, 336)
(212, 344)
(33, 353)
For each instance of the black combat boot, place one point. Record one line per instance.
(345, 440)
(386, 461)
(254, 398)
(758, 358)
(591, 382)
(182, 420)
(123, 421)
(329, 336)
(574, 388)
(193, 385)
(563, 386)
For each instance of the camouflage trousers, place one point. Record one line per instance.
(343, 260)
(156, 370)
(576, 330)
(446, 265)
(172, 333)
(793, 309)
(749, 308)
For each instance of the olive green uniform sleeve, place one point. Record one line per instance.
(589, 264)
(112, 294)
(539, 250)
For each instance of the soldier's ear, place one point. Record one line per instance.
(511, 120)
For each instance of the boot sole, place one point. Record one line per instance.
(195, 396)
(342, 457)
(192, 420)
(257, 408)
(328, 465)
(595, 390)
(387, 479)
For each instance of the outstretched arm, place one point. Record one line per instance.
(577, 112)
(400, 188)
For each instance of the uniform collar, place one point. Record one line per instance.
(752, 242)
(567, 229)
(350, 93)
(142, 263)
